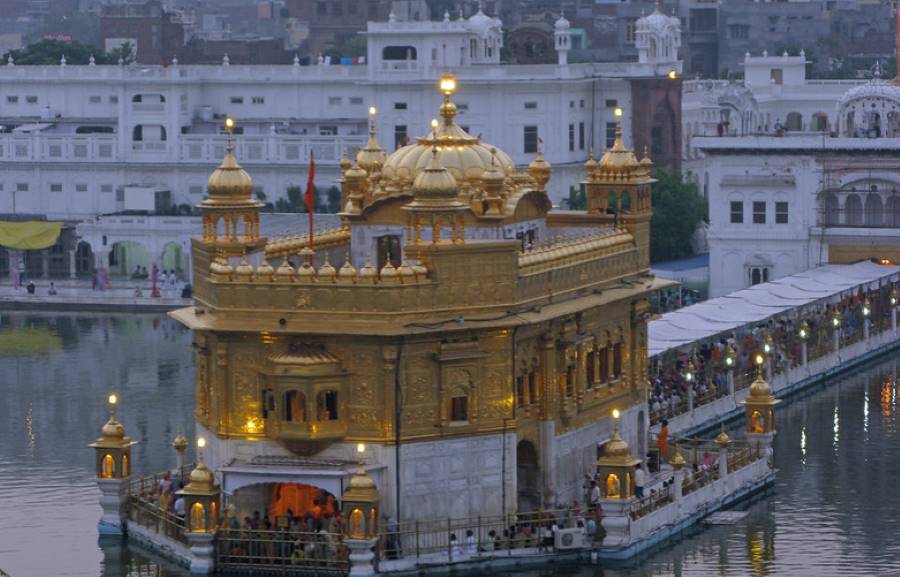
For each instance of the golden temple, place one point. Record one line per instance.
(455, 316)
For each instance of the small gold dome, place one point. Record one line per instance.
(264, 271)
(180, 443)
(348, 271)
(646, 162)
(306, 273)
(285, 271)
(760, 388)
(345, 162)
(201, 478)
(677, 461)
(420, 270)
(616, 447)
(368, 273)
(435, 183)
(388, 271)
(618, 159)
(229, 184)
(220, 266)
(326, 271)
(722, 439)
(540, 169)
(371, 157)
(244, 271)
(355, 173)
(591, 163)
(112, 430)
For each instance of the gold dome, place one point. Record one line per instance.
(463, 155)
(264, 271)
(618, 158)
(355, 173)
(201, 481)
(244, 271)
(113, 430)
(435, 184)
(368, 273)
(285, 271)
(388, 272)
(347, 272)
(420, 270)
(326, 271)
(180, 443)
(760, 388)
(306, 272)
(722, 439)
(616, 447)
(229, 184)
(371, 157)
(345, 162)
(361, 489)
(405, 272)
(591, 163)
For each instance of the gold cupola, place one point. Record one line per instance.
(371, 157)
(113, 447)
(201, 496)
(540, 170)
(229, 184)
(759, 406)
(618, 162)
(230, 212)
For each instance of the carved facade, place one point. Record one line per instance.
(497, 329)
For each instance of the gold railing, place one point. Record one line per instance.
(285, 551)
(149, 515)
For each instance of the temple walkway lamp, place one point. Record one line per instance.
(836, 324)
(867, 314)
(361, 503)
(759, 412)
(730, 364)
(894, 301)
(803, 333)
(616, 466)
(180, 445)
(201, 506)
(113, 464)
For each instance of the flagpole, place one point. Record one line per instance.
(310, 206)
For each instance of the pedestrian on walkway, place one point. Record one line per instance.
(639, 480)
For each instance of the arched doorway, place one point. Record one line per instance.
(276, 501)
(174, 257)
(527, 477)
(84, 259)
(125, 256)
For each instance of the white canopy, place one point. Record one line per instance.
(755, 304)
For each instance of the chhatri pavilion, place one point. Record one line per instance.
(470, 340)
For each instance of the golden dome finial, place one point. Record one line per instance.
(723, 440)
(229, 127)
(229, 184)
(540, 169)
(448, 87)
(345, 160)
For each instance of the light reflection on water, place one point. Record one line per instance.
(834, 507)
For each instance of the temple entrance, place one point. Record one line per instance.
(279, 505)
(528, 473)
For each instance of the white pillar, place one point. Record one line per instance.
(361, 556)
(616, 520)
(203, 559)
(804, 350)
(72, 263)
(894, 319)
(866, 324)
(690, 396)
(723, 462)
(678, 485)
(836, 338)
(113, 501)
(730, 379)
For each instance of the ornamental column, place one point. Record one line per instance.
(361, 504)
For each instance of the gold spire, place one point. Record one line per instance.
(618, 159)
(723, 440)
(540, 169)
(371, 157)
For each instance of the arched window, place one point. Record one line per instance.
(294, 407)
(873, 209)
(832, 216)
(591, 369)
(794, 121)
(892, 211)
(820, 122)
(603, 364)
(853, 210)
(521, 398)
(198, 523)
(327, 406)
(459, 408)
(109, 467)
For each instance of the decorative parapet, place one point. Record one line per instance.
(573, 251)
(292, 245)
(326, 274)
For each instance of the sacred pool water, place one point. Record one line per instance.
(834, 509)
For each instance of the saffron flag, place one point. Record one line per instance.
(310, 196)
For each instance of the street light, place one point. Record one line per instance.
(689, 372)
(867, 307)
(769, 344)
(448, 84)
(894, 296)
(804, 330)
(673, 74)
(618, 112)
(836, 318)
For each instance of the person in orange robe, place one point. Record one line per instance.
(662, 442)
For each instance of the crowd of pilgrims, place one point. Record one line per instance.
(670, 385)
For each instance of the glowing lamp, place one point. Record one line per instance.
(867, 307)
(673, 74)
(373, 111)
(434, 123)
(618, 112)
(759, 360)
(361, 448)
(448, 84)
(836, 319)
(729, 361)
(894, 296)
(113, 399)
(616, 414)
(201, 442)
(229, 123)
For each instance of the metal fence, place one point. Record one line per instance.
(269, 552)
(149, 515)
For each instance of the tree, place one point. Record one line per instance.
(49, 52)
(678, 209)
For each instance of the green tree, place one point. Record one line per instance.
(678, 209)
(49, 52)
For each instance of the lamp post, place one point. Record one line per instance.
(361, 503)
(895, 298)
(867, 313)
(769, 350)
(201, 505)
(689, 379)
(836, 325)
(113, 463)
(730, 364)
(180, 445)
(803, 333)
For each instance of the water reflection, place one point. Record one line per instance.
(833, 507)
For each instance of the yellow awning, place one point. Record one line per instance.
(31, 235)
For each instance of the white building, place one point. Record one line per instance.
(798, 173)
(78, 141)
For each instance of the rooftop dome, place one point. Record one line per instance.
(616, 447)
(465, 156)
(480, 22)
(876, 89)
(656, 22)
(435, 183)
(562, 23)
(229, 184)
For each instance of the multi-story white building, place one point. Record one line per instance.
(78, 141)
(797, 172)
